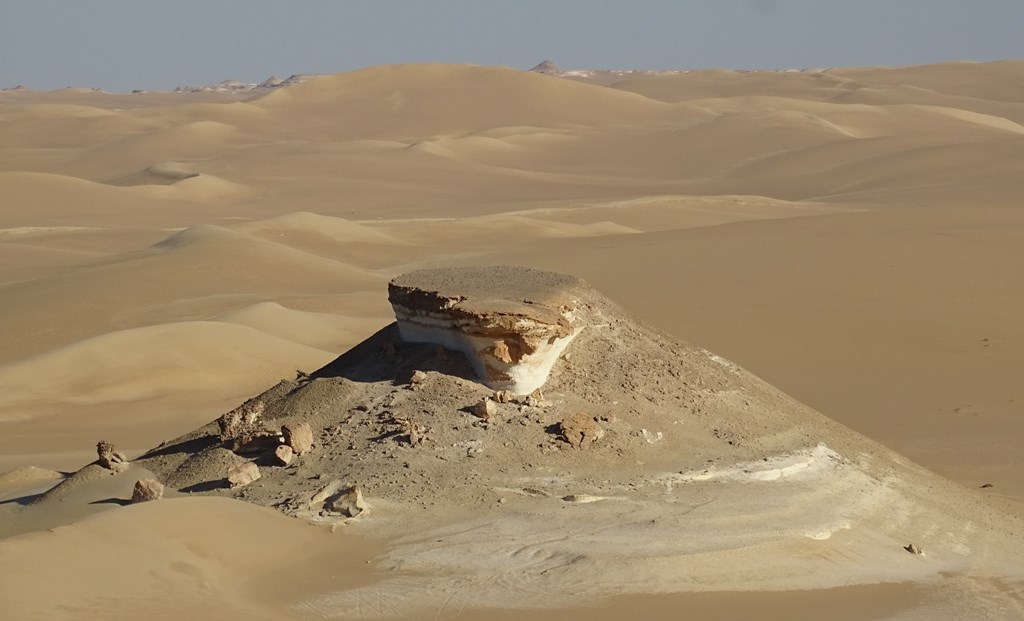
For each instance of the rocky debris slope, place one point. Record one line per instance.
(638, 452)
(412, 421)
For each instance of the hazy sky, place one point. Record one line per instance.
(126, 44)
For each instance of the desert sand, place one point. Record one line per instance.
(850, 236)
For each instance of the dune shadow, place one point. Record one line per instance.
(205, 486)
(192, 447)
(121, 502)
(22, 501)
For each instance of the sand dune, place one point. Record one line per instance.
(399, 101)
(165, 549)
(852, 235)
(121, 366)
(322, 331)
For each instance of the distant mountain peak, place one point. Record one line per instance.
(547, 67)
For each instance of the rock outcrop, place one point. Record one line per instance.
(110, 458)
(511, 323)
(242, 428)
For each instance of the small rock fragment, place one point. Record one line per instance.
(242, 473)
(986, 486)
(485, 409)
(504, 396)
(581, 499)
(299, 437)
(146, 490)
(581, 431)
(284, 454)
(651, 438)
(110, 458)
(913, 549)
(348, 502)
(317, 500)
(418, 377)
(412, 431)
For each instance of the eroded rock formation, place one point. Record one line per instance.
(110, 458)
(512, 323)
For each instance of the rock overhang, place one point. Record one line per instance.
(511, 323)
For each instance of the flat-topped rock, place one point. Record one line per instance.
(512, 323)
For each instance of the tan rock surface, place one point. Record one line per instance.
(146, 490)
(110, 458)
(242, 474)
(299, 436)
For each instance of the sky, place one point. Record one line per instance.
(141, 44)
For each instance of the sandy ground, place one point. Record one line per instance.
(851, 236)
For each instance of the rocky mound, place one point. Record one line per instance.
(412, 421)
(636, 462)
(548, 67)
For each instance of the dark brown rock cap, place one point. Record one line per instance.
(489, 290)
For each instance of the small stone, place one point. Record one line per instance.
(581, 431)
(418, 377)
(913, 549)
(485, 409)
(317, 500)
(146, 490)
(411, 431)
(299, 437)
(242, 474)
(504, 396)
(348, 502)
(110, 458)
(284, 454)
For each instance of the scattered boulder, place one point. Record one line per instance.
(298, 436)
(504, 396)
(348, 502)
(242, 473)
(146, 490)
(110, 458)
(485, 409)
(284, 454)
(316, 502)
(581, 431)
(535, 400)
(338, 498)
(418, 377)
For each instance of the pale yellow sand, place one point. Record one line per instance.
(852, 236)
